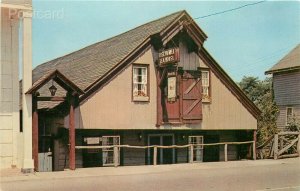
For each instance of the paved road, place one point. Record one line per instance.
(231, 176)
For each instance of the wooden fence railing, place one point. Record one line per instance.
(281, 145)
(155, 147)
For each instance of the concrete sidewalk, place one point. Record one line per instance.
(10, 175)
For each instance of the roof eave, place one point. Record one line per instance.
(282, 70)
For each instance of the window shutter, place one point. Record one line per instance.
(191, 99)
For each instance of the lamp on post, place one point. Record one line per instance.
(52, 89)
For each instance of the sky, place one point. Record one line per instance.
(245, 42)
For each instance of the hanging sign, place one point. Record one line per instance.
(172, 88)
(168, 56)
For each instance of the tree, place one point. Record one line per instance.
(261, 93)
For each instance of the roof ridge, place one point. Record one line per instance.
(96, 43)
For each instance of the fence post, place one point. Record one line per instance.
(191, 154)
(154, 155)
(254, 150)
(225, 152)
(275, 146)
(298, 145)
(116, 156)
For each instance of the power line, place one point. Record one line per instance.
(229, 10)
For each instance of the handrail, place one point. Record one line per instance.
(161, 146)
(266, 142)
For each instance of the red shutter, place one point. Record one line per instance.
(191, 99)
(172, 108)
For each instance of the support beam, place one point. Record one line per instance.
(275, 145)
(71, 134)
(225, 153)
(116, 156)
(27, 98)
(51, 98)
(191, 154)
(154, 155)
(35, 134)
(254, 145)
(159, 118)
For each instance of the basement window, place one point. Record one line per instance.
(140, 87)
(197, 149)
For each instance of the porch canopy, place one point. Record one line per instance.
(72, 93)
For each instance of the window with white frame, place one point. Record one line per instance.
(197, 149)
(140, 83)
(289, 115)
(205, 84)
(108, 153)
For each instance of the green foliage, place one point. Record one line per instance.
(261, 93)
(294, 124)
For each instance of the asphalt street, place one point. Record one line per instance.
(230, 176)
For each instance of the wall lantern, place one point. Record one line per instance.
(52, 89)
(140, 136)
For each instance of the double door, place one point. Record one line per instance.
(164, 155)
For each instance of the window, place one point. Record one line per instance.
(108, 153)
(198, 150)
(140, 83)
(289, 115)
(205, 84)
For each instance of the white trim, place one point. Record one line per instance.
(197, 148)
(286, 114)
(110, 149)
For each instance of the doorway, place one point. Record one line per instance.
(164, 156)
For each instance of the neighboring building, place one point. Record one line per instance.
(286, 85)
(15, 34)
(153, 85)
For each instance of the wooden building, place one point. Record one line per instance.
(153, 85)
(286, 85)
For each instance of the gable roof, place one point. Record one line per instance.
(92, 67)
(291, 61)
(87, 65)
(59, 78)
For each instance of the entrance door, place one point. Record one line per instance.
(164, 156)
(45, 162)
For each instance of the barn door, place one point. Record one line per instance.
(191, 98)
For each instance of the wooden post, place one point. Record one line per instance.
(275, 146)
(298, 145)
(191, 153)
(35, 134)
(254, 145)
(72, 135)
(158, 102)
(225, 152)
(154, 155)
(116, 156)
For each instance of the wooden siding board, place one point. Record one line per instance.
(281, 118)
(287, 88)
(133, 156)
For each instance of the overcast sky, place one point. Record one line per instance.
(246, 41)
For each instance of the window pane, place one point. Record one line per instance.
(140, 81)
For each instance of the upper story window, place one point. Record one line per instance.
(140, 83)
(205, 84)
(289, 115)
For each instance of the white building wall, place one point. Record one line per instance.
(12, 141)
(9, 91)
